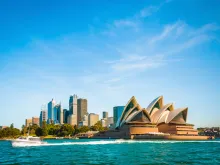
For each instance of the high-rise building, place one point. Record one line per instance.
(36, 120)
(104, 115)
(72, 120)
(104, 122)
(117, 111)
(84, 121)
(28, 122)
(65, 115)
(93, 119)
(81, 109)
(110, 122)
(55, 114)
(51, 113)
(43, 117)
(73, 104)
(60, 113)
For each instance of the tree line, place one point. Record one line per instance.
(60, 130)
(49, 129)
(9, 132)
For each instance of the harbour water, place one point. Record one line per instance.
(88, 151)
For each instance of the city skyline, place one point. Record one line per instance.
(108, 53)
(77, 114)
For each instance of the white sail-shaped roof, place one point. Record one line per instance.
(152, 106)
(156, 116)
(155, 113)
(173, 114)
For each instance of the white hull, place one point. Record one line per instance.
(24, 142)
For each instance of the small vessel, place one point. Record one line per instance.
(27, 141)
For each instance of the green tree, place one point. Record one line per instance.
(24, 130)
(39, 131)
(97, 127)
(50, 128)
(9, 132)
(44, 129)
(83, 129)
(65, 130)
(12, 126)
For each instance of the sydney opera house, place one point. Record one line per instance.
(157, 119)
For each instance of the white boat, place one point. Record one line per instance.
(27, 141)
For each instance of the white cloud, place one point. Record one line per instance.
(134, 21)
(148, 11)
(168, 30)
(122, 23)
(175, 38)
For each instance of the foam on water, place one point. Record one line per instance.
(106, 142)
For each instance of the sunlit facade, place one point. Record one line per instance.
(157, 117)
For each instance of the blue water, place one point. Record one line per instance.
(112, 152)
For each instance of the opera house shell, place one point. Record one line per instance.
(157, 117)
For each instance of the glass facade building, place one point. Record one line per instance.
(50, 108)
(117, 111)
(65, 115)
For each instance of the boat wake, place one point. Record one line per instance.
(106, 142)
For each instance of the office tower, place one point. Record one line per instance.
(65, 115)
(81, 109)
(72, 120)
(110, 122)
(60, 113)
(35, 120)
(73, 104)
(43, 117)
(28, 122)
(105, 115)
(51, 114)
(117, 111)
(55, 114)
(104, 122)
(93, 119)
(84, 121)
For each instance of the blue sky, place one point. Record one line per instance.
(108, 51)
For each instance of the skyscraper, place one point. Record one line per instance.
(55, 114)
(50, 107)
(73, 104)
(60, 113)
(65, 115)
(104, 115)
(81, 109)
(93, 119)
(117, 111)
(43, 116)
